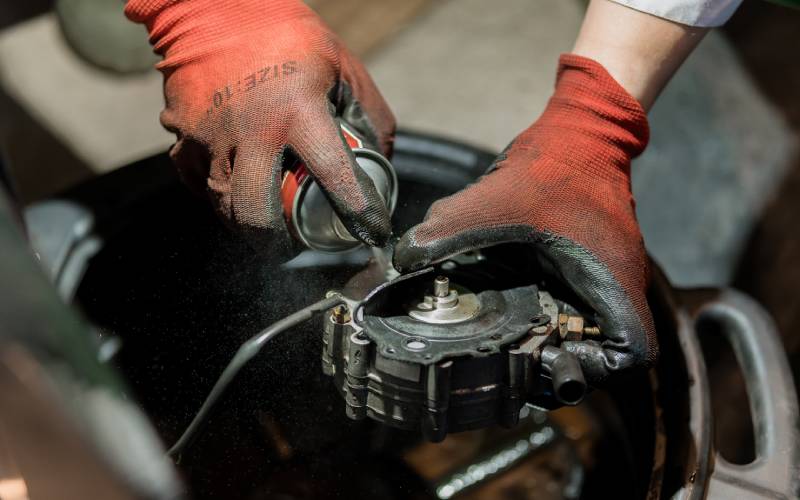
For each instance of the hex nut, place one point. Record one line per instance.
(570, 328)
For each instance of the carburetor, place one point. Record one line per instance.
(442, 352)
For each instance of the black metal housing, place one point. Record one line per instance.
(443, 378)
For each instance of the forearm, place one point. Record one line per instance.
(639, 50)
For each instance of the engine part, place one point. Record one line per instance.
(424, 351)
(309, 215)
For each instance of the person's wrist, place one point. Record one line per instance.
(639, 50)
(625, 70)
(589, 83)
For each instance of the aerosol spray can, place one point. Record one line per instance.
(310, 217)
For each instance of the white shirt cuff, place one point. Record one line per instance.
(699, 13)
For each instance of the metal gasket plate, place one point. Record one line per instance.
(503, 318)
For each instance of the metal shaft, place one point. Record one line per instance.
(441, 286)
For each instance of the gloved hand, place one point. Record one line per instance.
(245, 82)
(563, 186)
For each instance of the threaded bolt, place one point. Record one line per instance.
(591, 331)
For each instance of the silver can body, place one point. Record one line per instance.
(311, 217)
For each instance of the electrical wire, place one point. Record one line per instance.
(246, 352)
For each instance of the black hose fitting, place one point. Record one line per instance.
(569, 385)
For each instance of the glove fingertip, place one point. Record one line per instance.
(410, 256)
(373, 227)
(371, 223)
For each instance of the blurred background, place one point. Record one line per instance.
(716, 189)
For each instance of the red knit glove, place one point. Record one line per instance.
(245, 82)
(563, 186)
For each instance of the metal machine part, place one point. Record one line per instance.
(446, 305)
(423, 352)
(770, 388)
(309, 215)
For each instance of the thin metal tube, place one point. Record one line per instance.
(246, 352)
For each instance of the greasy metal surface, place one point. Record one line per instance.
(770, 390)
(700, 419)
(775, 472)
